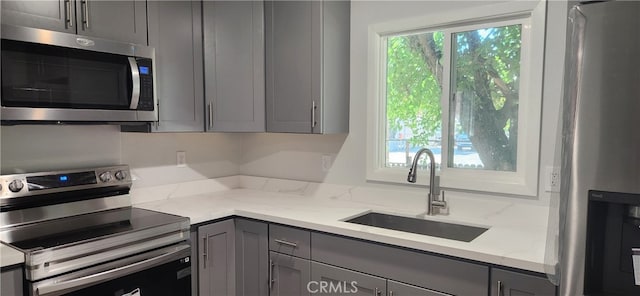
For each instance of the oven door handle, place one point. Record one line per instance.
(135, 83)
(66, 286)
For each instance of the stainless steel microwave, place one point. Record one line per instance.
(51, 76)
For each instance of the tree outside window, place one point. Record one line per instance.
(483, 100)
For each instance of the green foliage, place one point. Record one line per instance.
(486, 69)
(413, 93)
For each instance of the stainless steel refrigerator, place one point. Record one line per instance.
(599, 209)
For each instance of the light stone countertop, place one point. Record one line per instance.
(10, 256)
(516, 237)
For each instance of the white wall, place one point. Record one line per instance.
(299, 156)
(152, 157)
(32, 148)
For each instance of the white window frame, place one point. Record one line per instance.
(524, 181)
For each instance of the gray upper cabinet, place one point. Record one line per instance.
(49, 15)
(124, 21)
(345, 282)
(252, 262)
(234, 65)
(289, 275)
(307, 66)
(216, 253)
(509, 283)
(175, 31)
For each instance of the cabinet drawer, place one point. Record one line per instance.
(290, 241)
(412, 267)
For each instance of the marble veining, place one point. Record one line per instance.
(516, 235)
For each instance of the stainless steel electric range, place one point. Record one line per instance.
(81, 236)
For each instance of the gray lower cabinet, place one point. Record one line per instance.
(245, 257)
(11, 281)
(193, 241)
(432, 272)
(509, 283)
(289, 275)
(55, 15)
(252, 262)
(175, 31)
(307, 66)
(234, 65)
(216, 253)
(399, 289)
(331, 280)
(124, 20)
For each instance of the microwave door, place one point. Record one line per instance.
(49, 83)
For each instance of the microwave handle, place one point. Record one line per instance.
(135, 79)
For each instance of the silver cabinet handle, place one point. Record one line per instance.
(500, 292)
(210, 113)
(68, 13)
(205, 252)
(271, 278)
(135, 83)
(378, 292)
(85, 15)
(286, 243)
(390, 293)
(313, 114)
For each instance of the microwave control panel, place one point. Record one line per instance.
(146, 102)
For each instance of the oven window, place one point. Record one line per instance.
(44, 76)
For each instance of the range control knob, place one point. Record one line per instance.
(16, 185)
(121, 175)
(106, 177)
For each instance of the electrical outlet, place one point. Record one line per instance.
(181, 159)
(327, 161)
(552, 179)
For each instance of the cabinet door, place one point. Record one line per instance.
(293, 50)
(11, 282)
(337, 281)
(175, 31)
(400, 289)
(193, 240)
(252, 262)
(290, 276)
(216, 267)
(124, 21)
(234, 65)
(55, 15)
(509, 283)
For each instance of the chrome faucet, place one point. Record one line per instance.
(433, 203)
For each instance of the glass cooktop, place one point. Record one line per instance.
(82, 228)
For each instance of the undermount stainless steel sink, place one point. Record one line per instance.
(415, 225)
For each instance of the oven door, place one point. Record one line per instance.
(165, 271)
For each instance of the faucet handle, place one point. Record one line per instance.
(440, 205)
